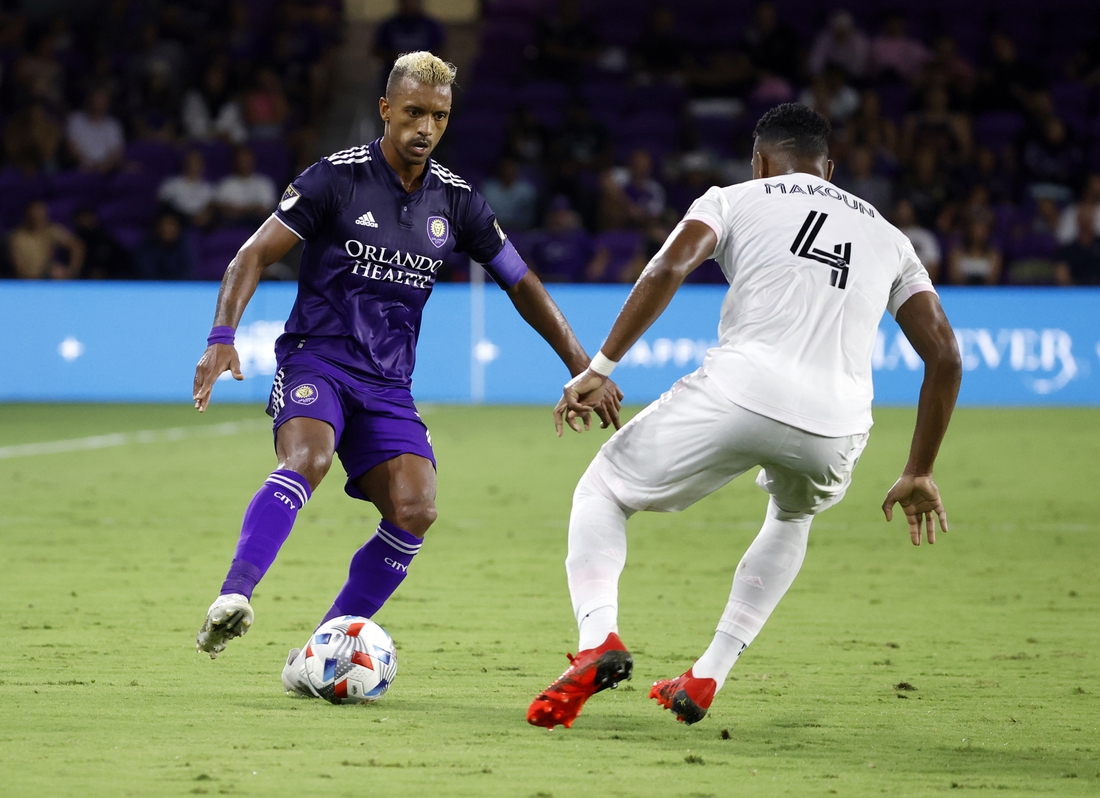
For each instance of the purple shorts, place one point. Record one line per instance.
(373, 424)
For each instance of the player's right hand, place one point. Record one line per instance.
(920, 500)
(217, 358)
(579, 398)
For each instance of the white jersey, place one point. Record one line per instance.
(811, 270)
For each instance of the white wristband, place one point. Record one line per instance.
(603, 365)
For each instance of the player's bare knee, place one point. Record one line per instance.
(414, 515)
(313, 464)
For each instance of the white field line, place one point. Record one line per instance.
(127, 438)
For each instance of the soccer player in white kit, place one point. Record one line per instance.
(811, 270)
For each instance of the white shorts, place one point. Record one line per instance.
(693, 440)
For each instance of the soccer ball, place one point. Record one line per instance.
(350, 660)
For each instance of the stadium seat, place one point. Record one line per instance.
(622, 246)
(997, 128)
(216, 249)
(273, 160)
(87, 187)
(155, 157)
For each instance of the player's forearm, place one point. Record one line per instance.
(267, 245)
(238, 285)
(942, 376)
(539, 310)
(690, 244)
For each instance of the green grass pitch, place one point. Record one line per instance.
(887, 670)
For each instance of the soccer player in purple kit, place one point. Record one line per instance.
(377, 221)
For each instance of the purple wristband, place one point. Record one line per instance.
(220, 335)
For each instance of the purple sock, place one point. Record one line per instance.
(375, 572)
(267, 523)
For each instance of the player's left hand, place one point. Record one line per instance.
(608, 406)
(581, 395)
(919, 498)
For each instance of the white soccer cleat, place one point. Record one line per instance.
(229, 616)
(294, 675)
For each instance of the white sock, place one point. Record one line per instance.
(718, 659)
(597, 554)
(764, 574)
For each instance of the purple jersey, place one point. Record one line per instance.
(371, 256)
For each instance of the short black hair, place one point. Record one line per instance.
(796, 127)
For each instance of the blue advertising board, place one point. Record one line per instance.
(139, 342)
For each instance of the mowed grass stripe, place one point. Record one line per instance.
(886, 670)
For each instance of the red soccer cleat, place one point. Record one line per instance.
(592, 670)
(688, 697)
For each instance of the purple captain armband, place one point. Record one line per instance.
(507, 268)
(221, 335)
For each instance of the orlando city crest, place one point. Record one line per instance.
(304, 394)
(437, 230)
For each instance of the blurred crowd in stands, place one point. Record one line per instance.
(146, 140)
(149, 145)
(975, 127)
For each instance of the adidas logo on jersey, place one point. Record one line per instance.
(367, 220)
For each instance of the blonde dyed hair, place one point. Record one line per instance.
(423, 67)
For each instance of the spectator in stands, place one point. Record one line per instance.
(696, 176)
(831, 96)
(859, 178)
(189, 193)
(985, 168)
(39, 76)
(513, 198)
(581, 141)
(526, 139)
(1052, 162)
(32, 140)
(958, 213)
(562, 248)
(104, 257)
(724, 75)
(1079, 261)
(266, 109)
(773, 45)
(661, 52)
(407, 31)
(924, 241)
(156, 107)
(34, 244)
(211, 110)
(937, 127)
(564, 43)
(894, 55)
(645, 196)
(948, 70)
(977, 260)
(1067, 229)
(1006, 82)
(840, 44)
(870, 129)
(95, 138)
(245, 197)
(167, 253)
(926, 186)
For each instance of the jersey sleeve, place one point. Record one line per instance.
(482, 239)
(713, 210)
(311, 199)
(912, 279)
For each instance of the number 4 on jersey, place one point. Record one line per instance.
(838, 260)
